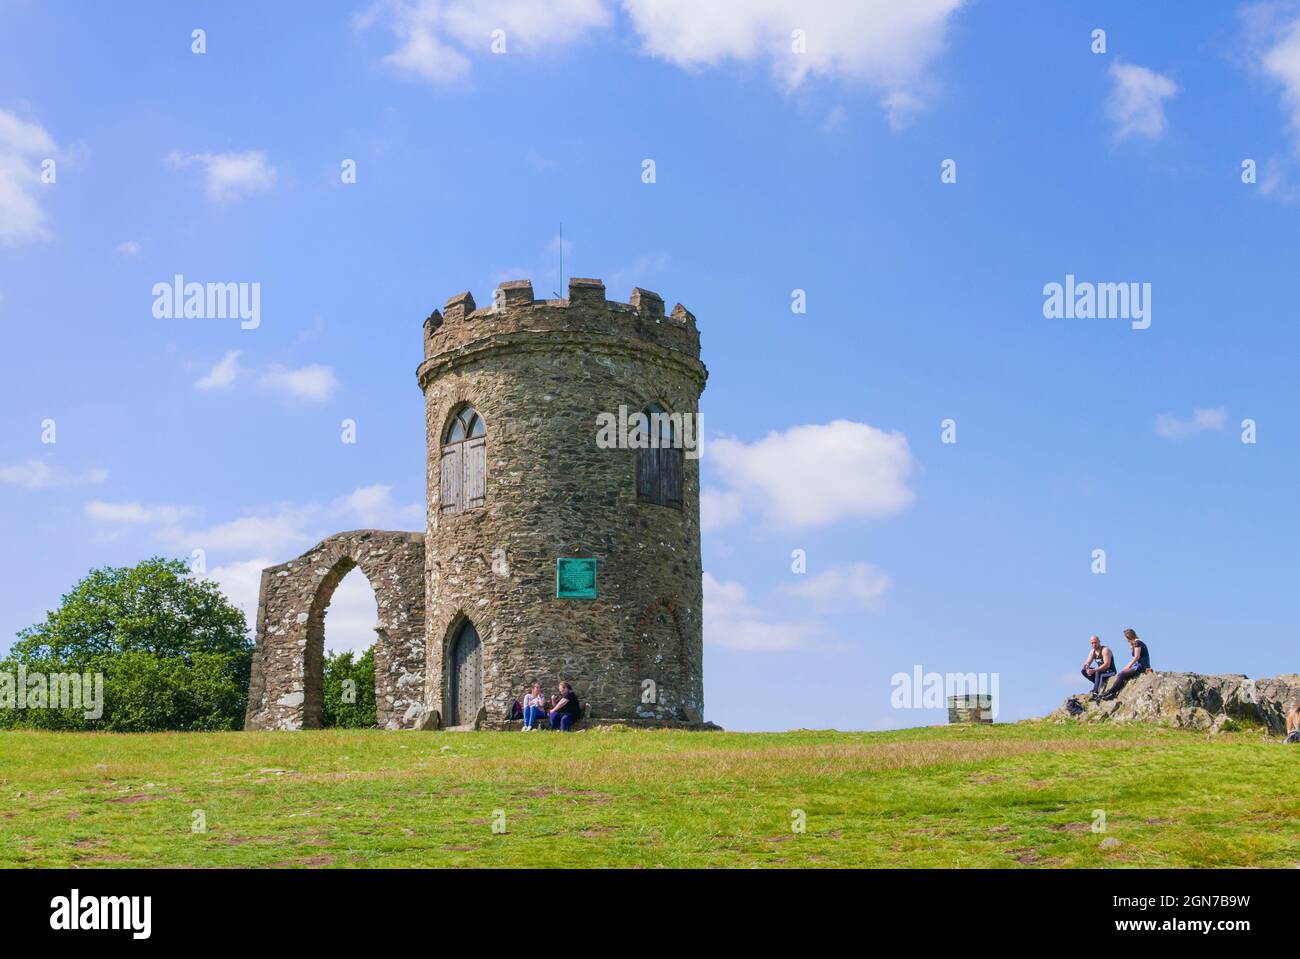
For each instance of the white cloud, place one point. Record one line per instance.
(137, 514)
(1171, 427)
(732, 622)
(229, 176)
(315, 383)
(719, 508)
(38, 474)
(812, 475)
(241, 582)
(1273, 33)
(1137, 101)
(859, 583)
(885, 44)
(282, 531)
(222, 375)
(286, 529)
(129, 248)
(23, 146)
(435, 39)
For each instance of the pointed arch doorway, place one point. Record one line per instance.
(465, 673)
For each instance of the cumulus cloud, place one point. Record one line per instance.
(1273, 39)
(435, 39)
(1171, 427)
(314, 383)
(23, 146)
(882, 43)
(38, 474)
(222, 375)
(280, 530)
(1136, 104)
(858, 584)
(732, 621)
(810, 476)
(229, 176)
(137, 514)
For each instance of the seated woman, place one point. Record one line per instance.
(1141, 663)
(565, 709)
(534, 706)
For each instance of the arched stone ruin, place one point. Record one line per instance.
(285, 689)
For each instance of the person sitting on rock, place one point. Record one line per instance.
(1140, 664)
(1293, 724)
(1098, 665)
(565, 710)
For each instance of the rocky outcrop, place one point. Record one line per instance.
(1193, 701)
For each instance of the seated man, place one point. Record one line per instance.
(565, 711)
(1098, 666)
(1141, 664)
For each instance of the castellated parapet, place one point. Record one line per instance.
(518, 481)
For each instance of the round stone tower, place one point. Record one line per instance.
(563, 536)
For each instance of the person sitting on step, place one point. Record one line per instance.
(565, 709)
(534, 706)
(1140, 664)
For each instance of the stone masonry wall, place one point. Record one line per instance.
(285, 687)
(539, 373)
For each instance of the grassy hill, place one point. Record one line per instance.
(1006, 795)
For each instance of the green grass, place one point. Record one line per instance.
(1007, 795)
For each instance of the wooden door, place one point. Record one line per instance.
(466, 676)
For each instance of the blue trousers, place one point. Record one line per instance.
(1098, 678)
(560, 721)
(531, 715)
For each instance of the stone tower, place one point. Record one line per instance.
(524, 492)
(563, 531)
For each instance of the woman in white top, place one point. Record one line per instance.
(534, 706)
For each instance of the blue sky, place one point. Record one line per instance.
(776, 171)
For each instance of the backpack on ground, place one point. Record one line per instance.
(1074, 707)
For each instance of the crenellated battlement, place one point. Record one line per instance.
(515, 316)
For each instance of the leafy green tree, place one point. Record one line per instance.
(337, 710)
(173, 651)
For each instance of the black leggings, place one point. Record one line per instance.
(1122, 679)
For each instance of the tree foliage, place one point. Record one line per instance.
(172, 650)
(348, 678)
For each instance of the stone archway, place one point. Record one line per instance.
(285, 685)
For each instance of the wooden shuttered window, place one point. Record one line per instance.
(474, 488)
(659, 476)
(449, 499)
(464, 463)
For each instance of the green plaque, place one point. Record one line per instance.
(575, 578)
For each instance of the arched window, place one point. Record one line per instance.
(464, 463)
(659, 457)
